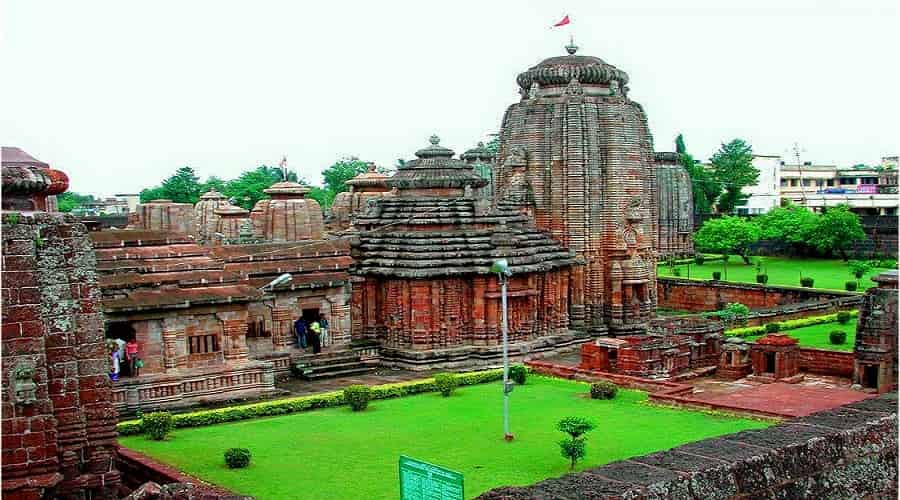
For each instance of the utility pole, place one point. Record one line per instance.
(501, 267)
(797, 150)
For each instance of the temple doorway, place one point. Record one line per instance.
(118, 333)
(870, 377)
(770, 362)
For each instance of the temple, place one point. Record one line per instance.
(675, 199)
(577, 152)
(422, 286)
(368, 185)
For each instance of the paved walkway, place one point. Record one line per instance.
(298, 387)
(794, 400)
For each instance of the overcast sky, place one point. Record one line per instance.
(120, 93)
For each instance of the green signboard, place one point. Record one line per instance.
(423, 481)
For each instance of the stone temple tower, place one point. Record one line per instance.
(579, 151)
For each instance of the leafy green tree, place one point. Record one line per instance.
(859, 268)
(790, 224)
(248, 188)
(573, 447)
(335, 177)
(838, 229)
(213, 182)
(705, 189)
(727, 235)
(181, 187)
(732, 168)
(69, 200)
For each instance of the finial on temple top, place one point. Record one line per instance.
(434, 139)
(571, 48)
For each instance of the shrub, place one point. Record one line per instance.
(157, 425)
(887, 263)
(850, 286)
(762, 278)
(603, 390)
(699, 259)
(445, 383)
(773, 327)
(859, 268)
(305, 403)
(237, 458)
(806, 281)
(358, 396)
(573, 447)
(843, 317)
(518, 374)
(717, 275)
(676, 271)
(837, 337)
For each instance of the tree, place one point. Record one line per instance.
(68, 201)
(859, 268)
(838, 229)
(248, 188)
(181, 187)
(213, 182)
(790, 224)
(573, 447)
(335, 178)
(732, 168)
(704, 188)
(727, 235)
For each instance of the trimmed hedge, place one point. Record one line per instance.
(790, 324)
(837, 337)
(305, 403)
(237, 458)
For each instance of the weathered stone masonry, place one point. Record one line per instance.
(58, 418)
(847, 452)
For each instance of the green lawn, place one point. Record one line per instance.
(816, 336)
(335, 454)
(826, 273)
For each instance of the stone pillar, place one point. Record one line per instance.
(234, 337)
(282, 328)
(170, 352)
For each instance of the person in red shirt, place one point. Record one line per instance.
(131, 355)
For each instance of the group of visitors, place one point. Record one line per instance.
(122, 352)
(314, 333)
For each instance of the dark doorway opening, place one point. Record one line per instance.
(310, 315)
(870, 376)
(770, 362)
(118, 333)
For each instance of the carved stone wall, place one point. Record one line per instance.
(580, 152)
(58, 418)
(676, 207)
(164, 215)
(875, 350)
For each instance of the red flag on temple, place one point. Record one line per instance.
(564, 22)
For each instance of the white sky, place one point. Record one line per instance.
(119, 93)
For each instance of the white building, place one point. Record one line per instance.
(765, 195)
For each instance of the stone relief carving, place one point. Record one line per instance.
(24, 387)
(518, 157)
(574, 87)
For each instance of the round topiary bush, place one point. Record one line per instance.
(806, 281)
(699, 259)
(157, 425)
(237, 458)
(357, 396)
(518, 374)
(762, 278)
(773, 327)
(445, 383)
(676, 272)
(843, 317)
(717, 275)
(603, 390)
(837, 337)
(850, 286)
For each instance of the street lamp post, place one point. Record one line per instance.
(501, 267)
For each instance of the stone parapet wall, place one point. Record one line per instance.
(847, 452)
(822, 362)
(138, 469)
(222, 383)
(708, 295)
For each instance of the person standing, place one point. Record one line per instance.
(131, 355)
(300, 331)
(323, 324)
(314, 331)
(114, 362)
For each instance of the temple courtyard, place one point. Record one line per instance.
(336, 453)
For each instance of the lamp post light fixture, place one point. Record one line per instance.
(501, 267)
(284, 278)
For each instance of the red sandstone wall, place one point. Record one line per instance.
(822, 362)
(699, 296)
(60, 442)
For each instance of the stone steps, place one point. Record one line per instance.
(330, 365)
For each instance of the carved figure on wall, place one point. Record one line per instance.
(518, 157)
(24, 387)
(574, 87)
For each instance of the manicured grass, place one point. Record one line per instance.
(816, 336)
(826, 273)
(335, 454)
